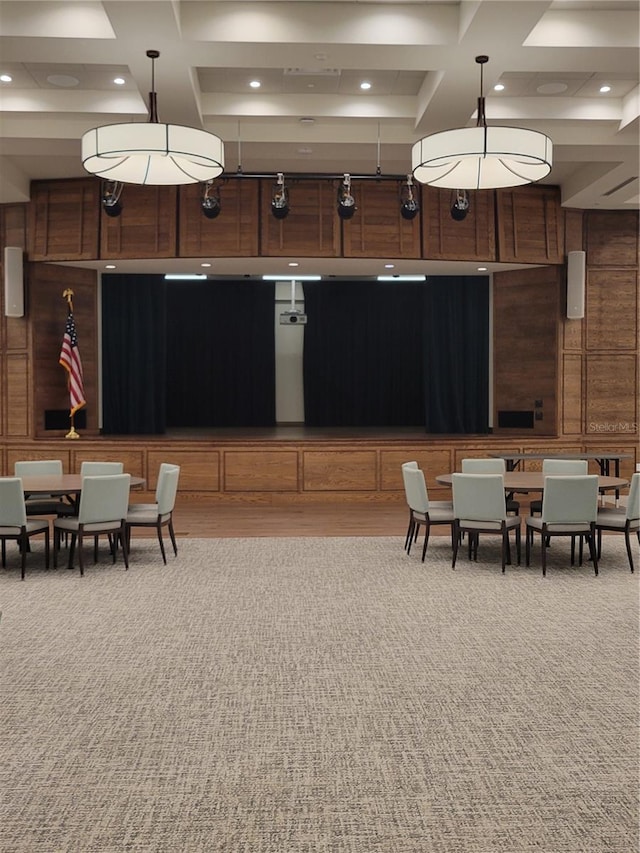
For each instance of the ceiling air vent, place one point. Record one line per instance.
(620, 186)
(311, 72)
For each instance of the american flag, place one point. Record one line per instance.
(70, 360)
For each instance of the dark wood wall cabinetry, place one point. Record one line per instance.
(377, 229)
(232, 234)
(64, 221)
(526, 308)
(578, 378)
(312, 228)
(146, 228)
(530, 225)
(470, 239)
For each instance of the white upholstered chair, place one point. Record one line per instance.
(103, 510)
(423, 512)
(98, 469)
(14, 524)
(569, 508)
(622, 519)
(480, 506)
(490, 466)
(42, 504)
(160, 513)
(569, 467)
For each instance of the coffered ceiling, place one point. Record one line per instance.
(309, 114)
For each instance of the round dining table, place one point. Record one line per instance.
(67, 485)
(533, 481)
(62, 484)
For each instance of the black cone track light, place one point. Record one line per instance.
(210, 202)
(111, 192)
(409, 208)
(346, 201)
(459, 205)
(280, 198)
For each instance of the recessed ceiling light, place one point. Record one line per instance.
(499, 87)
(552, 88)
(255, 84)
(482, 269)
(65, 81)
(293, 263)
(110, 266)
(307, 120)
(119, 81)
(389, 266)
(605, 89)
(365, 85)
(6, 78)
(205, 265)
(305, 150)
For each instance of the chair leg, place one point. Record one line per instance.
(4, 553)
(544, 543)
(627, 542)
(23, 541)
(427, 530)
(591, 539)
(528, 535)
(46, 549)
(173, 537)
(125, 545)
(79, 547)
(455, 542)
(164, 556)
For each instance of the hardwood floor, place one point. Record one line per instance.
(202, 520)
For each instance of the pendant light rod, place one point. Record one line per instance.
(153, 101)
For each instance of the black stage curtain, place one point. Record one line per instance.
(398, 354)
(220, 354)
(456, 354)
(362, 362)
(133, 354)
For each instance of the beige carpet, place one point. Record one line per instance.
(319, 696)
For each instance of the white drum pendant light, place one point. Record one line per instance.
(152, 153)
(481, 157)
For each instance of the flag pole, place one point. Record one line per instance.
(68, 295)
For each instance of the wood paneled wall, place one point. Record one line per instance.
(67, 222)
(585, 372)
(296, 471)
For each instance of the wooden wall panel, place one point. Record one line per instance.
(443, 238)
(526, 318)
(611, 309)
(263, 471)
(340, 470)
(18, 395)
(28, 452)
(13, 225)
(571, 414)
(17, 332)
(233, 233)
(64, 218)
(147, 226)
(612, 238)
(199, 472)
(312, 228)
(48, 317)
(530, 225)
(432, 463)
(377, 229)
(611, 395)
(132, 459)
(573, 230)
